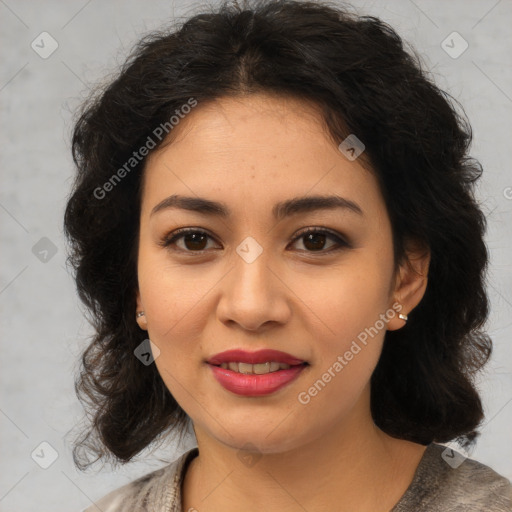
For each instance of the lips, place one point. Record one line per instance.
(260, 356)
(253, 384)
(256, 385)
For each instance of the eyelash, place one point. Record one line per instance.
(170, 239)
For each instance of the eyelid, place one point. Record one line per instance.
(341, 240)
(168, 239)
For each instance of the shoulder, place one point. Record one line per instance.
(158, 490)
(475, 486)
(447, 481)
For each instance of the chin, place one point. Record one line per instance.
(257, 439)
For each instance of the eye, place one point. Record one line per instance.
(194, 239)
(313, 239)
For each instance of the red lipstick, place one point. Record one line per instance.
(252, 384)
(260, 356)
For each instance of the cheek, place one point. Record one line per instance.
(177, 315)
(346, 352)
(348, 349)
(349, 309)
(173, 296)
(346, 303)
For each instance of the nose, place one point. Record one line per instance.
(254, 295)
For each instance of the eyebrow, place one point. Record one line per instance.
(280, 210)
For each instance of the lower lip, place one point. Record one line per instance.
(255, 385)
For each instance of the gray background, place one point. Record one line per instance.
(43, 328)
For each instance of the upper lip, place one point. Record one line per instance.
(260, 356)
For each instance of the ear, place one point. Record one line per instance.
(141, 320)
(410, 281)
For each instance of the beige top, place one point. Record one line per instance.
(442, 483)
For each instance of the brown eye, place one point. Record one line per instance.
(194, 240)
(314, 240)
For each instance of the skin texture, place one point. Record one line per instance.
(251, 152)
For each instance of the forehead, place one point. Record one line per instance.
(255, 147)
(247, 124)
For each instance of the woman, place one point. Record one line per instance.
(274, 228)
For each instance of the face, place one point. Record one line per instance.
(251, 280)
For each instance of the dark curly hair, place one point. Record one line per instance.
(357, 72)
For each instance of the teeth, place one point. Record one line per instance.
(278, 366)
(255, 369)
(243, 367)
